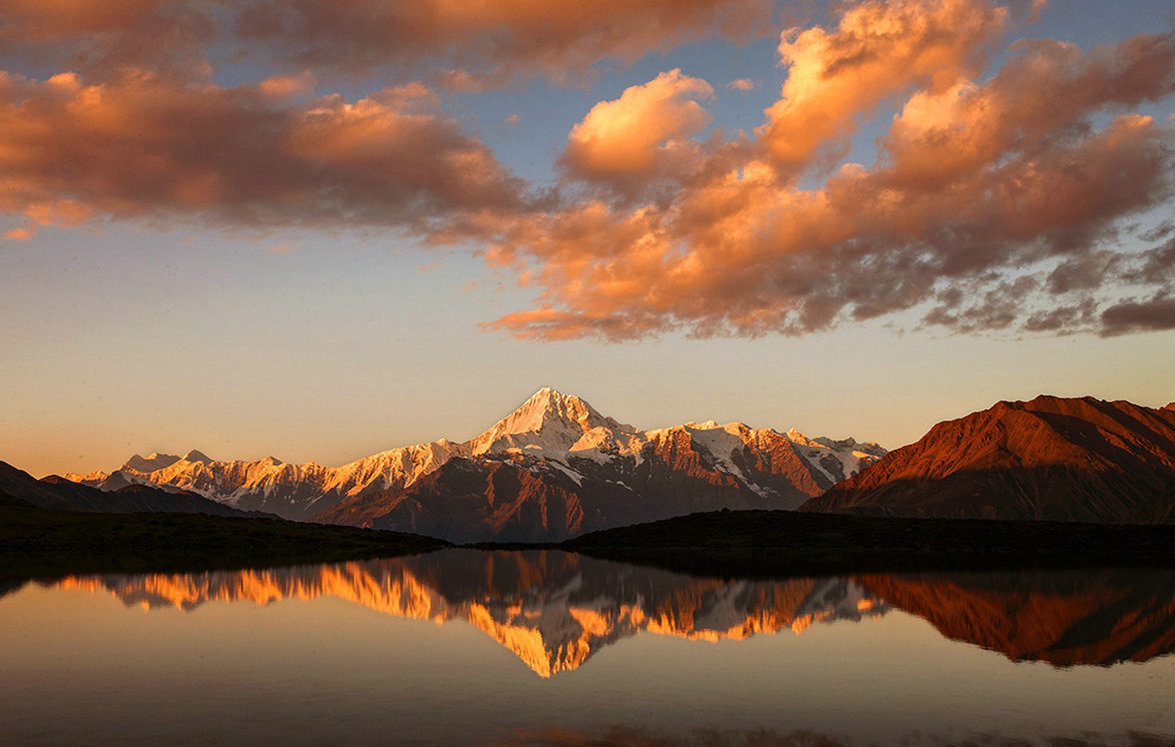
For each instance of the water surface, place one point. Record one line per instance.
(464, 646)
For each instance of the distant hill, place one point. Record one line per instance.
(1052, 458)
(58, 493)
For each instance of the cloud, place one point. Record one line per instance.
(492, 41)
(470, 45)
(997, 200)
(149, 147)
(1041, 93)
(878, 49)
(996, 204)
(640, 136)
(106, 36)
(742, 84)
(1153, 315)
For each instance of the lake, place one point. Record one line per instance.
(542, 647)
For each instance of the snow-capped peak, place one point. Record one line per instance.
(550, 431)
(798, 438)
(549, 420)
(150, 463)
(835, 459)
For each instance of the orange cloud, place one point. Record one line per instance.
(53, 20)
(492, 41)
(144, 145)
(1038, 94)
(879, 49)
(108, 35)
(468, 44)
(993, 204)
(642, 135)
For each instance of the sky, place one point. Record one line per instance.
(318, 230)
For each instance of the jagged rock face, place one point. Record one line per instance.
(1047, 459)
(552, 468)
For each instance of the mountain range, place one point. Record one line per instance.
(1051, 458)
(556, 468)
(553, 468)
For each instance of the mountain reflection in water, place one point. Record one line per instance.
(554, 609)
(1064, 618)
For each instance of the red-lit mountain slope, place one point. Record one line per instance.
(1047, 459)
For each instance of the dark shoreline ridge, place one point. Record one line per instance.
(751, 544)
(43, 542)
(786, 543)
(747, 543)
